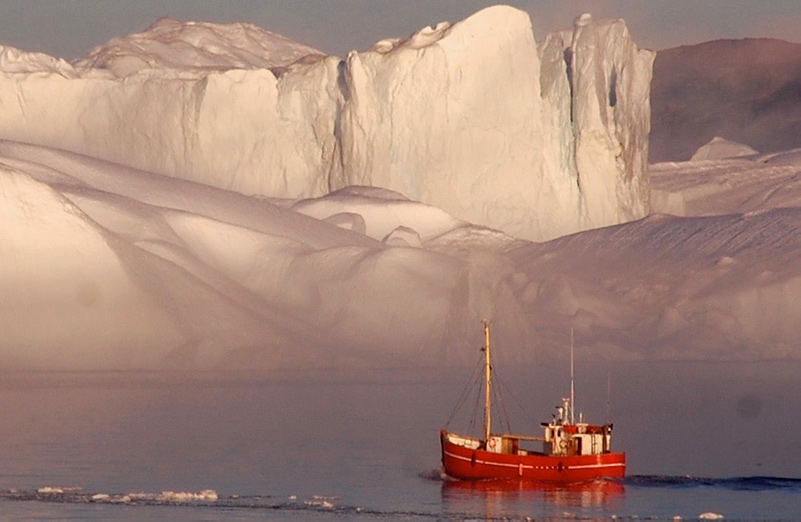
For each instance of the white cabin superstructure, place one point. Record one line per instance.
(563, 437)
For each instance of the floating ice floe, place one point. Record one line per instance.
(189, 496)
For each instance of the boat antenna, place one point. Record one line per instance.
(572, 392)
(487, 382)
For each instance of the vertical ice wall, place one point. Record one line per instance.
(472, 117)
(611, 116)
(451, 117)
(241, 129)
(475, 119)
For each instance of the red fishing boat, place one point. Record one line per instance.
(571, 451)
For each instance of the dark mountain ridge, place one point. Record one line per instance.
(747, 91)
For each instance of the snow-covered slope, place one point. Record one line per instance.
(467, 117)
(104, 266)
(738, 185)
(143, 270)
(714, 287)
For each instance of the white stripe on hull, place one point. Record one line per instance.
(528, 466)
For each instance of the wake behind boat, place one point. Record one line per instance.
(571, 451)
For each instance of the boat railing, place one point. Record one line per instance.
(521, 437)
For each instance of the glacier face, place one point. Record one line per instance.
(473, 117)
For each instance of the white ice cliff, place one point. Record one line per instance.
(473, 118)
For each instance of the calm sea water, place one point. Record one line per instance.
(700, 438)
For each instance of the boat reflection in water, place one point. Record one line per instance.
(502, 498)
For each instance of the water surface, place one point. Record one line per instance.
(702, 437)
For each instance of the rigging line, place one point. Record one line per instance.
(505, 413)
(471, 383)
(476, 406)
(475, 389)
(517, 401)
(501, 402)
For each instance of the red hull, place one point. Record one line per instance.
(475, 464)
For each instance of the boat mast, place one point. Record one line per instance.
(608, 391)
(572, 392)
(487, 383)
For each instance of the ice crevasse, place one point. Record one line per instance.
(476, 118)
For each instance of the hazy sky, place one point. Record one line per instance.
(70, 28)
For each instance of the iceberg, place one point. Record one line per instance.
(719, 148)
(474, 117)
(213, 211)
